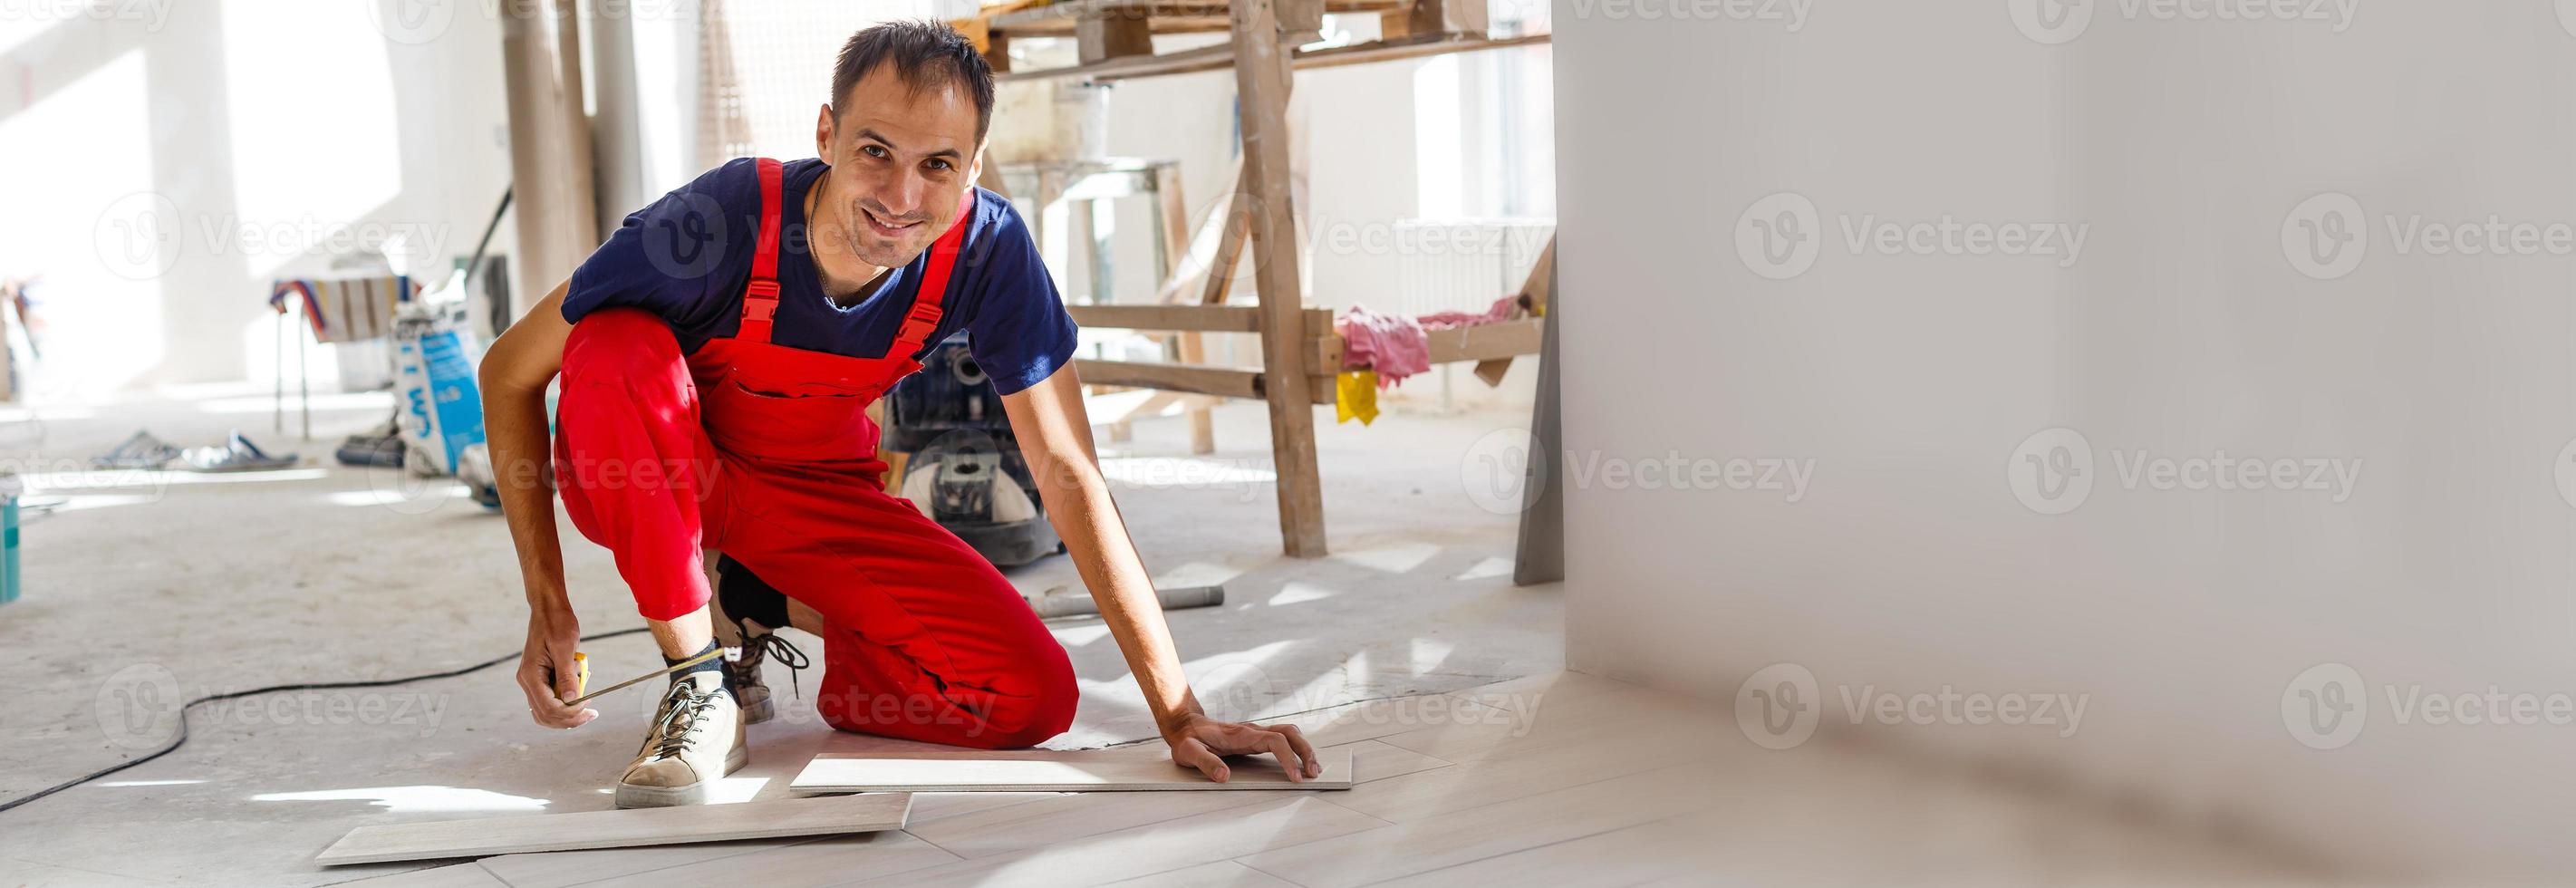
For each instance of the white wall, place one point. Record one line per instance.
(1912, 382)
(172, 158)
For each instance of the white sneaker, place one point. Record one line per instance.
(696, 737)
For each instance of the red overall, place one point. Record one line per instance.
(766, 453)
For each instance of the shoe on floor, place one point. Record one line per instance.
(695, 738)
(237, 455)
(139, 451)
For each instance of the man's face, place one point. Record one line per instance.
(900, 157)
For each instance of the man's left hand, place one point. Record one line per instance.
(1202, 742)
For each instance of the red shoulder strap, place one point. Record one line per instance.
(760, 296)
(919, 323)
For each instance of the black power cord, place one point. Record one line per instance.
(272, 689)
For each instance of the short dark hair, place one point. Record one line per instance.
(922, 52)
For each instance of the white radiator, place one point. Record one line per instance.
(1464, 264)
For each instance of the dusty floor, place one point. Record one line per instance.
(147, 589)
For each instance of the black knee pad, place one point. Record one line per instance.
(747, 597)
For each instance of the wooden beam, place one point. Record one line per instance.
(1312, 323)
(1169, 16)
(1218, 58)
(1485, 341)
(1174, 214)
(1533, 300)
(1261, 77)
(1113, 35)
(1327, 357)
(1542, 277)
(1207, 318)
(1224, 382)
(1448, 17)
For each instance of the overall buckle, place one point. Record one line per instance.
(760, 300)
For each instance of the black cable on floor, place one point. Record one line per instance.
(315, 686)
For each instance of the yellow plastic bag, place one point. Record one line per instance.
(1355, 396)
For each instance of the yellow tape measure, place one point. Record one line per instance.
(581, 682)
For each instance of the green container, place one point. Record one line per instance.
(9, 489)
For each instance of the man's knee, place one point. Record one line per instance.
(623, 345)
(1040, 715)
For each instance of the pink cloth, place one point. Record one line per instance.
(1392, 345)
(1502, 310)
(1397, 347)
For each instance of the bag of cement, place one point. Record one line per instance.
(437, 405)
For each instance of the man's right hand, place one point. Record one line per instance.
(515, 373)
(547, 672)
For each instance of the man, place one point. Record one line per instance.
(717, 354)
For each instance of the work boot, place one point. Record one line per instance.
(742, 672)
(696, 737)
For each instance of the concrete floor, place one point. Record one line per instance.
(149, 589)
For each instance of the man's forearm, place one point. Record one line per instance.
(514, 423)
(1079, 506)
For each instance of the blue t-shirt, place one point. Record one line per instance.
(687, 257)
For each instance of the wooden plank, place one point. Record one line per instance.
(1485, 341)
(1448, 17)
(1534, 293)
(1173, 214)
(1301, 20)
(1229, 244)
(1224, 382)
(1261, 76)
(1169, 16)
(1112, 35)
(1537, 287)
(1209, 318)
(843, 773)
(1218, 58)
(1171, 218)
(1328, 354)
(618, 828)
